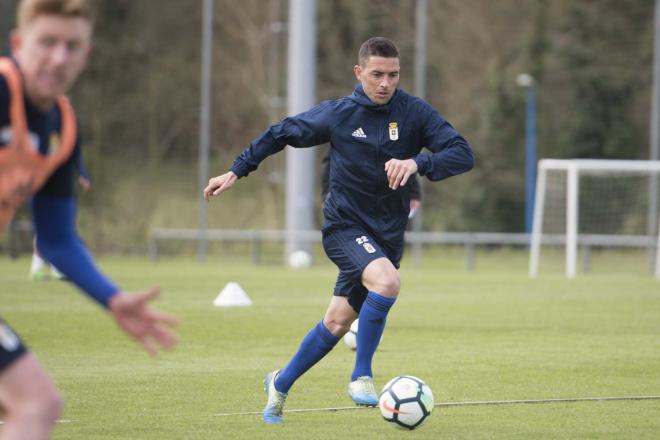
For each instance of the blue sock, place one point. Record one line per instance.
(370, 328)
(318, 342)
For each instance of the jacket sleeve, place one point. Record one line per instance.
(450, 152)
(59, 244)
(300, 131)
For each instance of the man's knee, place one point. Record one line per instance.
(338, 327)
(27, 393)
(52, 405)
(381, 276)
(388, 285)
(46, 407)
(339, 316)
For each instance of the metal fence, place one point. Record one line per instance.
(417, 240)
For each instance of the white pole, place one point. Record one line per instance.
(421, 13)
(572, 220)
(301, 93)
(537, 224)
(657, 255)
(205, 120)
(654, 135)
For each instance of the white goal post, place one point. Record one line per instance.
(576, 177)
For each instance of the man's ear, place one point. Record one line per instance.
(15, 41)
(357, 70)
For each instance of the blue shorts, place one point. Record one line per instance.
(352, 249)
(11, 347)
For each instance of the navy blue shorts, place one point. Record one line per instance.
(352, 249)
(11, 347)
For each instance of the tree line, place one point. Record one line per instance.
(591, 60)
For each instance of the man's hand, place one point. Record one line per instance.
(84, 183)
(219, 184)
(399, 171)
(148, 326)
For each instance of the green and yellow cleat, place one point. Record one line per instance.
(363, 392)
(274, 407)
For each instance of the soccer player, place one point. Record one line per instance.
(376, 136)
(38, 151)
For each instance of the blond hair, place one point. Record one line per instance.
(28, 10)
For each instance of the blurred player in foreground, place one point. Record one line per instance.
(39, 147)
(376, 136)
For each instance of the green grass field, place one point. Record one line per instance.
(492, 334)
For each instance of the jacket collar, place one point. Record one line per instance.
(361, 98)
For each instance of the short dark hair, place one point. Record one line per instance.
(377, 47)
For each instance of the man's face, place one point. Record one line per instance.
(52, 51)
(379, 77)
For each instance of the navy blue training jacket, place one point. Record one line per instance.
(362, 139)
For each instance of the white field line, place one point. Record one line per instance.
(58, 421)
(478, 402)
(443, 404)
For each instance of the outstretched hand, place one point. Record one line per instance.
(399, 171)
(146, 325)
(219, 184)
(84, 183)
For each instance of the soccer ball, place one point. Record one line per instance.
(300, 260)
(406, 402)
(350, 338)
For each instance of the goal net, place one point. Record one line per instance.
(591, 202)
